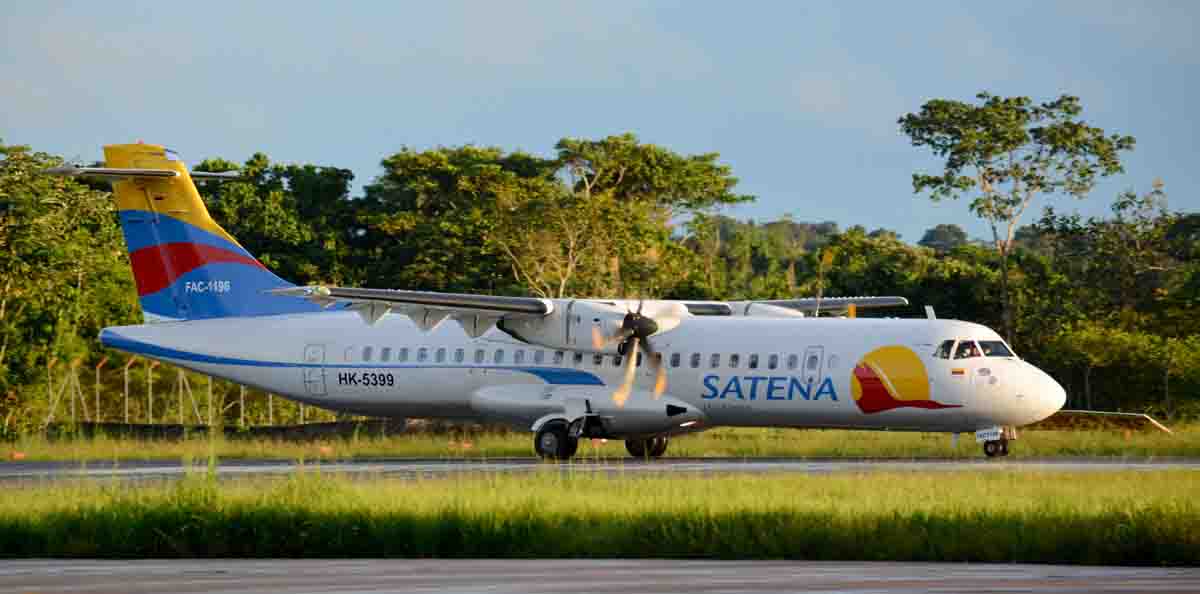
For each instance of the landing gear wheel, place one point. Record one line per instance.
(637, 447)
(658, 447)
(552, 442)
(654, 447)
(998, 447)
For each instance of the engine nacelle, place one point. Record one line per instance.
(570, 326)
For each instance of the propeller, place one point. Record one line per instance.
(634, 334)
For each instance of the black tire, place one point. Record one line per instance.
(991, 449)
(658, 446)
(638, 448)
(553, 443)
(1004, 447)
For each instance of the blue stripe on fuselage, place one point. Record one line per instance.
(551, 375)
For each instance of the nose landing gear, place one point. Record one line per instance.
(996, 447)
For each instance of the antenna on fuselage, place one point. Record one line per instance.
(929, 313)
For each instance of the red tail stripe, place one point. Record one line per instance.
(156, 267)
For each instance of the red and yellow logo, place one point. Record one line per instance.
(892, 377)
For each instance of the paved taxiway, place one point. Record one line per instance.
(601, 576)
(427, 468)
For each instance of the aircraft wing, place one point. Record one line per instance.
(826, 304)
(476, 313)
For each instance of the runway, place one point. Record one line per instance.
(599, 576)
(432, 468)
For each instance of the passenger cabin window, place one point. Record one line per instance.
(943, 351)
(597, 360)
(480, 355)
(616, 361)
(366, 354)
(385, 354)
(995, 348)
(813, 362)
(422, 355)
(695, 360)
(674, 359)
(753, 362)
(734, 359)
(577, 358)
(519, 357)
(773, 362)
(966, 349)
(539, 357)
(459, 355)
(558, 357)
(499, 358)
(639, 359)
(402, 355)
(793, 361)
(715, 360)
(440, 357)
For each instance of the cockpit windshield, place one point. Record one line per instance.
(995, 348)
(966, 349)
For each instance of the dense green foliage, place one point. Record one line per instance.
(1130, 518)
(1106, 305)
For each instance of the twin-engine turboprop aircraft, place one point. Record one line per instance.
(640, 371)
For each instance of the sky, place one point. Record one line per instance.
(799, 98)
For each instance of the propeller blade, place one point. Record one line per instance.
(654, 360)
(601, 342)
(622, 394)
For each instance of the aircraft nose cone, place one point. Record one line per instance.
(1050, 394)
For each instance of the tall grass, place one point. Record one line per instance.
(716, 443)
(1090, 518)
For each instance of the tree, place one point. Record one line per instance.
(1006, 151)
(943, 238)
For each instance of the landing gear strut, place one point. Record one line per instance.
(997, 447)
(654, 447)
(554, 442)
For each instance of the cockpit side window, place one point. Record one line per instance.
(966, 349)
(943, 351)
(995, 348)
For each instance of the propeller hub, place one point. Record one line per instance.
(639, 326)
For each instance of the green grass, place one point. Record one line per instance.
(716, 443)
(1038, 517)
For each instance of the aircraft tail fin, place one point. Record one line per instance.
(185, 265)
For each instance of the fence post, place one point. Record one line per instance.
(128, 363)
(210, 414)
(98, 366)
(242, 406)
(77, 391)
(50, 399)
(270, 409)
(150, 365)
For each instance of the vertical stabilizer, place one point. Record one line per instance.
(185, 265)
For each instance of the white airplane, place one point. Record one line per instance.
(565, 369)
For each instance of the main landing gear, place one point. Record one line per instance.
(556, 441)
(654, 447)
(996, 447)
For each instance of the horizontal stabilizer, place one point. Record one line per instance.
(120, 173)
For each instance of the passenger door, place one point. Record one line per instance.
(314, 369)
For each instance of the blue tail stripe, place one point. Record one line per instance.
(224, 289)
(144, 229)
